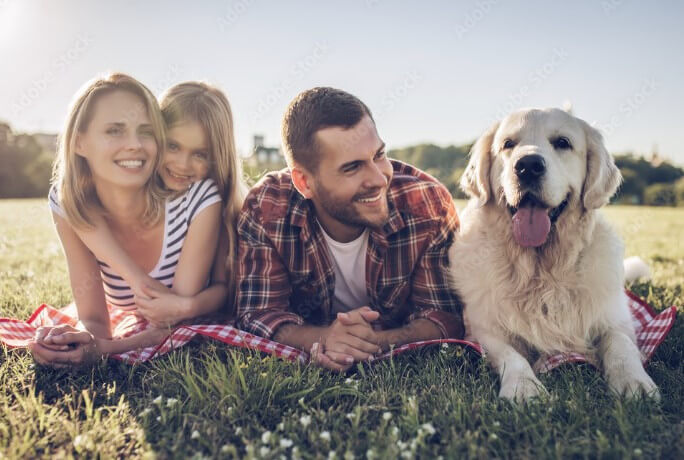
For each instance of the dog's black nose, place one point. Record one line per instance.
(530, 168)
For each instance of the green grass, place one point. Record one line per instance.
(439, 401)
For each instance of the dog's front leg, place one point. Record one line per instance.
(621, 364)
(518, 382)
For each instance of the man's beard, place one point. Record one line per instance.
(346, 212)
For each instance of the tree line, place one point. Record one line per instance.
(26, 165)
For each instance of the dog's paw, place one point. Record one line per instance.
(521, 389)
(633, 385)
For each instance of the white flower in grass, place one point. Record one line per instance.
(325, 436)
(395, 431)
(305, 420)
(286, 443)
(350, 416)
(157, 400)
(159, 419)
(349, 455)
(428, 428)
(264, 451)
(295, 453)
(407, 455)
(83, 442)
(332, 455)
(225, 448)
(370, 454)
(281, 426)
(638, 452)
(238, 431)
(195, 435)
(497, 424)
(493, 437)
(402, 445)
(171, 402)
(300, 401)
(266, 437)
(386, 416)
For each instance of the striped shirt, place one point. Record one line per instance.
(285, 274)
(179, 213)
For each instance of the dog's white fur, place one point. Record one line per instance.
(566, 295)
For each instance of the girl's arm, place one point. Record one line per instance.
(86, 282)
(100, 240)
(187, 299)
(205, 302)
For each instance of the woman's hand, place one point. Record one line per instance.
(162, 308)
(63, 346)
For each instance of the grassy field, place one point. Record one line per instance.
(208, 401)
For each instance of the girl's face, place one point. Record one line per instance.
(119, 143)
(187, 156)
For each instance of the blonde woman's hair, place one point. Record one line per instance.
(71, 175)
(208, 106)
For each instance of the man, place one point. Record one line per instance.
(344, 253)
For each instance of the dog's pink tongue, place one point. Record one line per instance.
(531, 226)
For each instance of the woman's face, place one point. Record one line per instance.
(187, 156)
(119, 143)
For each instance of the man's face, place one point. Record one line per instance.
(349, 189)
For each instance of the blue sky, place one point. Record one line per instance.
(430, 71)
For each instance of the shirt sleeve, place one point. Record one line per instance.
(263, 283)
(432, 296)
(53, 202)
(201, 195)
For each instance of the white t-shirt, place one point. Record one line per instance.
(349, 261)
(179, 213)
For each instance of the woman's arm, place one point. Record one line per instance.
(86, 282)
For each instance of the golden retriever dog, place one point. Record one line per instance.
(538, 268)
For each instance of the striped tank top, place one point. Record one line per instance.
(179, 213)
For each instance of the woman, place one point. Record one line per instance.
(105, 168)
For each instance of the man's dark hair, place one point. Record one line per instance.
(311, 111)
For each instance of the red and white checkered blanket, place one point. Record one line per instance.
(651, 330)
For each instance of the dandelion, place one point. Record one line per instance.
(171, 402)
(305, 420)
(286, 443)
(264, 451)
(266, 437)
(428, 428)
(195, 435)
(157, 400)
(387, 416)
(325, 436)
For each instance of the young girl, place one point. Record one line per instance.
(186, 229)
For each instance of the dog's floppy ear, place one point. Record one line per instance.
(603, 177)
(475, 178)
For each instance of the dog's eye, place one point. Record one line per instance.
(508, 144)
(561, 143)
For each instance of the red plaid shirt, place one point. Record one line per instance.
(285, 271)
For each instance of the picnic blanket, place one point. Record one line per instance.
(651, 329)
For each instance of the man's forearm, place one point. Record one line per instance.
(415, 331)
(302, 337)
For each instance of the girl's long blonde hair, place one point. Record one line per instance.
(208, 106)
(71, 175)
